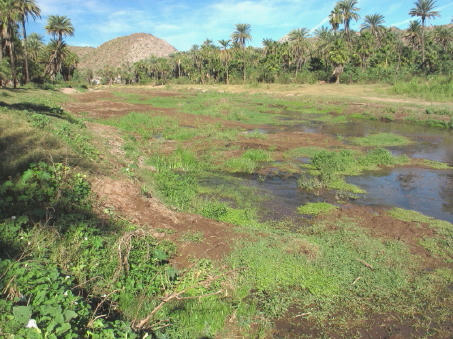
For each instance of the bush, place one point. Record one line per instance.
(43, 190)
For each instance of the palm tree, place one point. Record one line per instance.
(348, 12)
(27, 8)
(207, 43)
(56, 52)
(424, 10)
(35, 45)
(338, 56)
(268, 45)
(413, 33)
(9, 16)
(443, 36)
(324, 39)
(59, 26)
(225, 56)
(365, 45)
(335, 18)
(374, 24)
(240, 36)
(299, 45)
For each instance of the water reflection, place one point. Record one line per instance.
(426, 191)
(429, 142)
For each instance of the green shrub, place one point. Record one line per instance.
(44, 189)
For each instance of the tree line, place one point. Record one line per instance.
(373, 53)
(24, 58)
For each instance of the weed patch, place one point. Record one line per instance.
(316, 208)
(382, 140)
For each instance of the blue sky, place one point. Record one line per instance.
(183, 23)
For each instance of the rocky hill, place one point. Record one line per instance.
(130, 48)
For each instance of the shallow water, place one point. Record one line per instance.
(428, 142)
(427, 191)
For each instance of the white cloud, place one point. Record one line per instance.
(398, 24)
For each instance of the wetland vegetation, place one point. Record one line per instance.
(262, 233)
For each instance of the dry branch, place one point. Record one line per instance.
(176, 295)
(365, 263)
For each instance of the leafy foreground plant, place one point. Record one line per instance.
(67, 274)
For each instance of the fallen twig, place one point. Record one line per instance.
(365, 263)
(357, 279)
(302, 315)
(176, 295)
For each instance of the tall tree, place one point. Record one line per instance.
(374, 24)
(325, 37)
(335, 18)
(35, 44)
(348, 12)
(56, 53)
(365, 45)
(413, 34)
(59, 26)
(27, 8)
(241, 35)
(299, 45)
(338, 56)
(443, 36)
(9, 16)
(225, 56)
(425, 10)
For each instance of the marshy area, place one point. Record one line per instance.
(311, 211)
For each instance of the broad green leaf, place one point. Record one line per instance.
(22, 314)
(64, 328)
(68, 315)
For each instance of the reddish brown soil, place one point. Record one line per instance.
(124, 198)
(380, 224)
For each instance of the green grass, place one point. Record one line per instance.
(440, 245)
(336, 271)
(435, 164)
(145, 125)
(381, 140)
(248, 162)
(192, 236)
(435, 89)
(303, 152)
(322, 270)
(316, 208)
(328, 168)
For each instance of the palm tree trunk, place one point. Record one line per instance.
(27, 74)
(13, 65)
(244, 64)
(423, 40)
(227, 75)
